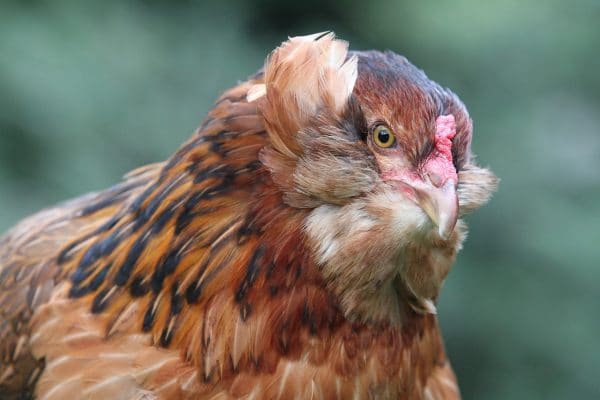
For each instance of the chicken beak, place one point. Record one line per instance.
(440, 204)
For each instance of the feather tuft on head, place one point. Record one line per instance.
(305, 75)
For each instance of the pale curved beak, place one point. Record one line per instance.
(440, 204)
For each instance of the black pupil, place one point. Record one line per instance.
(383, 135)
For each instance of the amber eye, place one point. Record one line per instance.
(383, 136)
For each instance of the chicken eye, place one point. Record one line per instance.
(383, 137)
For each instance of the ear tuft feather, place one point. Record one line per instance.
(303, 76)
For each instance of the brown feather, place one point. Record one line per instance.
(264, 259)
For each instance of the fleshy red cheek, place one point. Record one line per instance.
(399, 174)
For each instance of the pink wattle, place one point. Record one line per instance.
(439, 163)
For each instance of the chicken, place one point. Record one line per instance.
(293, 247)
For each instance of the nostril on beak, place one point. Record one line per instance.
(435, 179)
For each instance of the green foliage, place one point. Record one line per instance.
(90, 91)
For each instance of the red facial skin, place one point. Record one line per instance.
(433, 186)
(438, 167)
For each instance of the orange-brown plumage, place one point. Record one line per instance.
(269, 257)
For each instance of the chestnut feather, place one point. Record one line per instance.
(279, 253)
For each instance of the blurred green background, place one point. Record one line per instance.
(89, 91)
